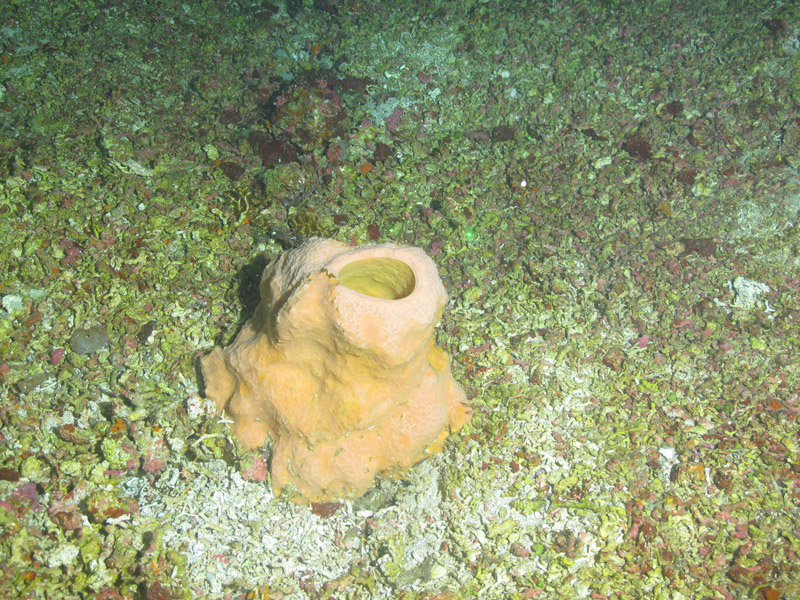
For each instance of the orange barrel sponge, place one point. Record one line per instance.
(339, 369)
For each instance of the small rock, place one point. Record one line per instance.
(56, 354)
(13, 304)
(89, 340)
(614, 359)
(30, 383)
(325, 509)
(62, 556)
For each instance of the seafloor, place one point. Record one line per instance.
(611, 191)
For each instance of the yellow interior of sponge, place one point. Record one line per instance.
(385, 278)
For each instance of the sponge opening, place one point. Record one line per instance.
(385, 278)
